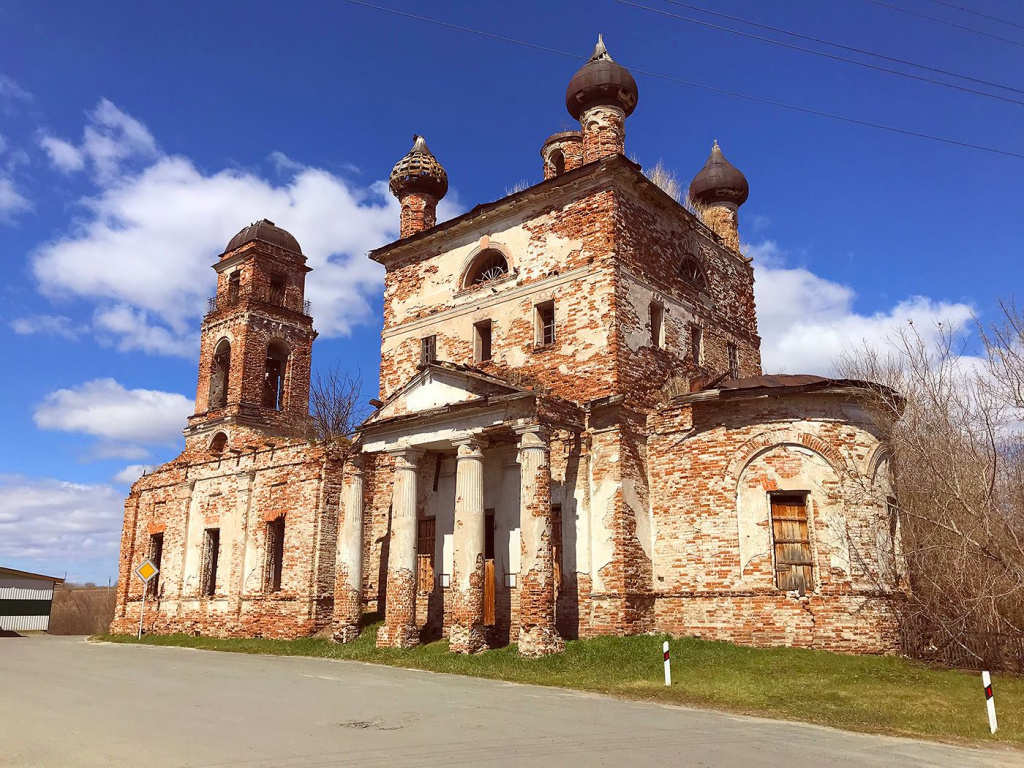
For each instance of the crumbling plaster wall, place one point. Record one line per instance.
(713, 467)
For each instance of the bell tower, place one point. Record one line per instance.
(256, 340)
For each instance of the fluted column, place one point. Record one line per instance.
(468, 634)
(537, 634)
(399, 630)
(348, 586)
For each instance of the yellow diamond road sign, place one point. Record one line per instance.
(147, 570)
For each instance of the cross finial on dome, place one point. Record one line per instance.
(600, 51)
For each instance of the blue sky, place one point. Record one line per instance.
(136, 139)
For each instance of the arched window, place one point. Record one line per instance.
(693, 273)
(558, 162)
(220, 440)
(220, 374)
(489, 265)
(274, 374)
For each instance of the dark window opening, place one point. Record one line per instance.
(277, 285)
(893, 511)
(482, 341)
(556, 542)
(488, 534)
(274, 376)
(558, 162)
(234, 286)
(425, 545)
(657, 325)
(428, 350)
(211, 554)
(275, 554)
(156, 553)
(489, 265)
(793, 563)
(693, 274)
(545, 322)
(697, 344)
(734, 361)
(220, 375)
(220, 440)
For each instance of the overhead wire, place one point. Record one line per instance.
(978, 13)
(692, 84)
(936, 19)
(832, 56)
(841, 46)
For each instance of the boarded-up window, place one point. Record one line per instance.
(556, 542)
(793, 563)
(211, 554)
(426, 528)
(275, 554)
(488, 567)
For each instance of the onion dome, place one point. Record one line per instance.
(265, 231)
(419, 171)
(719, 181)
(601, 81)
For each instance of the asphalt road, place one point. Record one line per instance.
(65, 702)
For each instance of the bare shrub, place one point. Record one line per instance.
(951, 425)
(82, 610)
(519, 186)
(666, 179)
(696, 207)
(335, 404)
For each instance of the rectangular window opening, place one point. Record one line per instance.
(275, 554)
(211, 554)
(426, 530)
(697, 345)
(734, 361)
(156, 553)
(277, 289)
(482, 341)
(545, 323)
(234, 286)
(428, 350)
(556, 542)
(657, 325)
(793, 563)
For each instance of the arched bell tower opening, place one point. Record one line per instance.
(221, 375)
(275, 375)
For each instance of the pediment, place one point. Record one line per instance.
(439, 386)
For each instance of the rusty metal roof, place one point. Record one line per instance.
(719, 181)
(773, 382)
(267, 232)
(419, 171)
(601, 81)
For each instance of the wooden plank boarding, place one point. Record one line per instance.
(488, 593)
(793, 562)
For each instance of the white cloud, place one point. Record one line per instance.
(64, 156)
(142, 254)
(116, 415)
(10, 90)
(59, 521)
(47, 325)
(132, 472)
(11, 200)
(806, 321)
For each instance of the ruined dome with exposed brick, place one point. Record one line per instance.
(719, 181)
(265, 231)
(419, 171)
(601, 81)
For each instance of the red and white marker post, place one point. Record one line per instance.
(668, 665)
(986, 680)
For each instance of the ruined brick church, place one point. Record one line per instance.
(573, 435)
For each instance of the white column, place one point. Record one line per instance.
(399, 630)
(468, 634)
(348, 590)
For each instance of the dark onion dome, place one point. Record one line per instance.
(719, 181)
(267, 232)
(601, 81)
(419, 171)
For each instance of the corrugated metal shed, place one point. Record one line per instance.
(25, 600)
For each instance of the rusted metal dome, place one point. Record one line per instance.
(719, 181)
(266, 231)
(419, 171)
(601, 81)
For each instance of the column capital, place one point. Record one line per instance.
(406, 458)
(533, 436)
(354, 465)
(470, 446)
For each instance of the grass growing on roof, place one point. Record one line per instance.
(879, 694)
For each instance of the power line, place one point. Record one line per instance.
(936, 19)
(850, 48)
(978, 13)
(701, 86)
(832, 56)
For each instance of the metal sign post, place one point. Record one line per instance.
(147, 571)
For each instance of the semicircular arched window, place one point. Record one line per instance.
(490, 265)
(693, 274)
(220, 440)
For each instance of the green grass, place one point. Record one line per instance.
(879, 694)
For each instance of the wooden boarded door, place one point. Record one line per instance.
(793, 563)
(489, 568)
